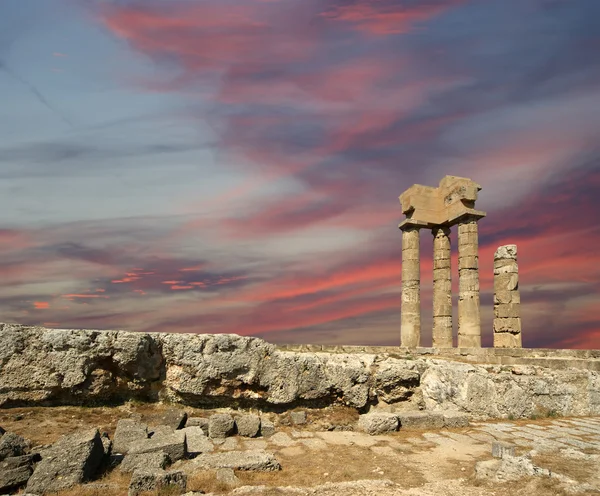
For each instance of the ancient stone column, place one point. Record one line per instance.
(469, 320)
(410, 326)
(442, 288)
(507, 300)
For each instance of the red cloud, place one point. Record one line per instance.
(381, 17)
(41, 305)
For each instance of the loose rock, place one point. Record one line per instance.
(73, 459)
(421, 420)
(220, 425)
(128, 432)
(248, 425)
(152, 480)
(150, 461)
(378, 423)
(239, 460)
(174, 445)
(12, 444)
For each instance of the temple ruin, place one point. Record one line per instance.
(439, 209)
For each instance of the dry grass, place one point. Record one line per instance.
(206, 480)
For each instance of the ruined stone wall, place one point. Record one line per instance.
(57, 367)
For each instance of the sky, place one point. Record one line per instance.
(234, 166)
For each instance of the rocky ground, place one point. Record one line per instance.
(306, 452)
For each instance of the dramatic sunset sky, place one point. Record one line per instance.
(234, 166)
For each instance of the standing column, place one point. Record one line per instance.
(507, 300)
(469, 322)
(442, 288)
(410, 327)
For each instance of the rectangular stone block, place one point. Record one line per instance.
(453, 420)
(442, 263)
(410, 242)
(501, 449)
(501, 297)
(510, 325)
(506, 282)
(468, 280)
(410, 254)
(507, 310)
(468, 250)
(468, 262)
(421, 420)
(507, 340)
(506, 267)
(467, 227)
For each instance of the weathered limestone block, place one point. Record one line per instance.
(395, 381)
(378, 423)
(227, 476)
(442, 289)
(15, 471)
(474, 390)
(12, 445)
(174, 417)
(73, 459)
(267, 428)
(420, 420)
(197, 442)
(453, 420)
(501, 449)
(144, 480)
(220, 425)
(198, 422)
(507, 300)
(155, 460)
(128, 431)
(248, 425)
(410, 326)
(74, 366)
(239, 460)
(469, 315)
(174, 445)
(298, 418)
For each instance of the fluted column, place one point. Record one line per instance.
(442, 288)
(410, 326)
(469, 319)
(507, 300)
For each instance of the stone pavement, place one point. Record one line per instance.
(578, 433)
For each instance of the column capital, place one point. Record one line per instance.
(444, 229)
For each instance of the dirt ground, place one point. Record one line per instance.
(415, 463)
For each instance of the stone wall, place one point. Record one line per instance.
(41, 366)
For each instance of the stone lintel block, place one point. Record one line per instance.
(506, 282)
(501, 449)
(506, 252)
(507, 310)
(468, 262)
(507, 325)
(421, 420)
(507, 340)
